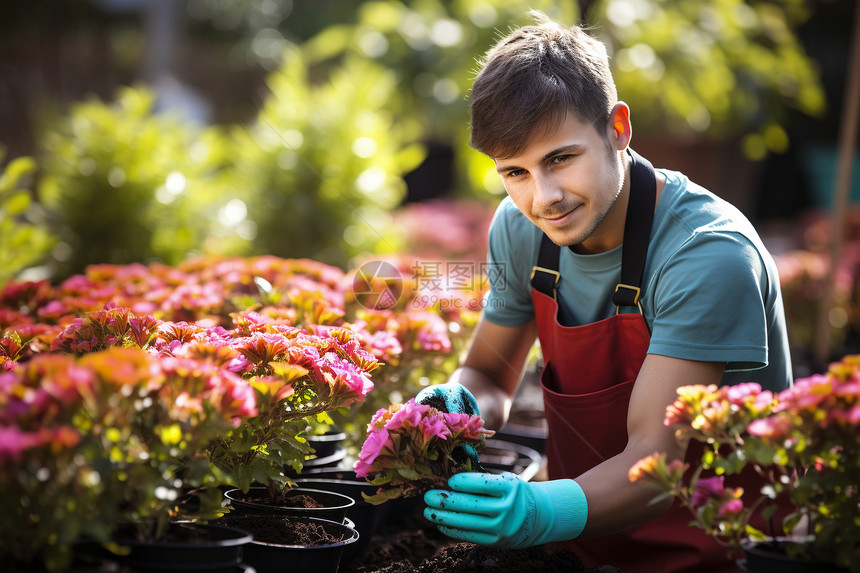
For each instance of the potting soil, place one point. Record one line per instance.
(281, 530)
(413, 545)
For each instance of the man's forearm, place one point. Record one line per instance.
(493, 402)
(614, 503)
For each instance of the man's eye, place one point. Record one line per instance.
(561, 158)
(514, 173)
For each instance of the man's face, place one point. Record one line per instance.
(567, 183)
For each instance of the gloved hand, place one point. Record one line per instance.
(449, 397)
(502, 510)
(453, 397)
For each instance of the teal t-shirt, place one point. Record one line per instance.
(710, 288)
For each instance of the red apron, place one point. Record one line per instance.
(587, 381)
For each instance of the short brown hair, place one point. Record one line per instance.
(532, 79)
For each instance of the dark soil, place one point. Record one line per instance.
(283, 530)
(411, 544)
(288, 498)
(420, 552)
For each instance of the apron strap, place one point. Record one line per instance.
(545, 274)
(637, 232)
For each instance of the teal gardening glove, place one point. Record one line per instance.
(450, 397)
(454, 398)
(502, 510)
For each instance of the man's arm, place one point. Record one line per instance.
(493, 367)
(614, 503)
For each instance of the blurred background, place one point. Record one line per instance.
(156, 130)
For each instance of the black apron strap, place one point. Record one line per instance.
(545, 274)
(637, 232)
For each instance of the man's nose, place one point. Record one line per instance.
(547, 191)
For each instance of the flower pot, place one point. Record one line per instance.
(327, 444)
(209, 548)
(333, 505)
(529, 435)
(768, 557)
(329, 461)
(503, 456)
(364, 515)
(285, 544)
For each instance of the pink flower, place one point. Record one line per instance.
(732, 507)
(434, 341)
(737, 394)
(850, 415)
(338, 372)
(774, 427)
(409, 416)
(239, 365)
(707, 488)
(806, 393)
(13, 442)
(471, 426)
(435, 426)
(238, 399)
(385, 346)
(53, 310)
(376, 441)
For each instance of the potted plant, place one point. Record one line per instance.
(412, 447)
(105, 446)
(298, 377)
(804, 445)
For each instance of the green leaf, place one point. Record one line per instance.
(409, 473)
(16, 170)
(17, 203)
(328, 43)
(382, 496)
(755, 534)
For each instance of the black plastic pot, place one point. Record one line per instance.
(211, 548)
(364, 515)
(503, 456)
(766, 557)
(280, 558)
(530, 436)
(328, 453)
(327, 444)
(335, 505)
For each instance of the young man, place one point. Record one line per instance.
(636, 282)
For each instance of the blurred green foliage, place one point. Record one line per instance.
(22, 234)
(433, 47)
(318, 171)
(322, 166)
(687, 68)
(123, 183)
(732, 66)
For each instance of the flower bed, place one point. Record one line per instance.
(128, 388)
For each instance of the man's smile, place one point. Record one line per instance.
(559, 218)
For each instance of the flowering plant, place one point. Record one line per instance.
(297, 378)
(113, 436)
(804, 445)
(420, 338)
(411, 448)
(237, 359)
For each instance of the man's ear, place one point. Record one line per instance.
(620, 129)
